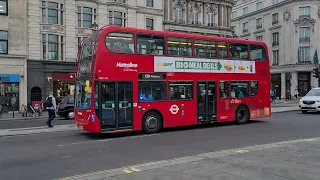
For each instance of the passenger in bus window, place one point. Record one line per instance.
(127, 49)
(233, 93)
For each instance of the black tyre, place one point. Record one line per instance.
(304, 111)
(151, 122)
(242, 115)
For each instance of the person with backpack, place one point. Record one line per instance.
(51, 107)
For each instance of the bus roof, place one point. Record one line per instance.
(177, 34)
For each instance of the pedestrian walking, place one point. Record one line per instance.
(51, 106)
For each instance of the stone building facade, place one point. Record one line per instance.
(13, 54)
(291, 29)
(55, 27)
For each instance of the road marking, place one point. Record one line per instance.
(186, 159)
(134, 169)
(241, 151)
(127, 171)
(107, 140)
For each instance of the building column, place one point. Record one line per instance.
(294, 82)
(283, 86)
(219, 15)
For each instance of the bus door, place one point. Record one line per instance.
(207, 99)
(115, 105)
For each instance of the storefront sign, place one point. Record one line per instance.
(9, 78)
(172, 64)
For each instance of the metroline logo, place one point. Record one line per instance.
(126, 65)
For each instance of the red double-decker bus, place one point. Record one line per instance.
(133, 79)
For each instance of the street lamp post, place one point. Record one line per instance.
(94, 26)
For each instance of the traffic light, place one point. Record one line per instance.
(316, 72)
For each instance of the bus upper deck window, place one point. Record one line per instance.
(257, 52)
(122, 43)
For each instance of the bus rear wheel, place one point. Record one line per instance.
(152, 122)
(242, 115)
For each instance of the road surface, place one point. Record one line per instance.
(61, 154)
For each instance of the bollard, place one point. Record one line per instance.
(0, 111)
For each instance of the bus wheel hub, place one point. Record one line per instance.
(152, 122)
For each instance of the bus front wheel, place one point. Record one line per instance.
(242, 115)
(152, 122)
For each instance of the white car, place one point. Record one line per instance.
(311, 101)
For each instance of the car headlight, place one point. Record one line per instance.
(318, 101)
(300, 100)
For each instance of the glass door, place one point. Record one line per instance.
(207, 99)
(116, 105)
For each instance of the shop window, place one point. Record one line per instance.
(257, 52)
(9, 93)
(152, 91)
(179, 46)
(181, 90)
(239, 89)
(150, 44)
(121, 43)
(238, 51)
(224, 89)
(254, 88)
(205, 49)
(222, 50)
(36, 94)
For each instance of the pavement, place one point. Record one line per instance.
(298, 159)
(75, 153)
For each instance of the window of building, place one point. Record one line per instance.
(195, 15)
(150, 44)
(211, 18)
(276, 1)
(36, 94)
(149, 3)
(239, 89)
(152, 91)
(259, 23)
(149, 24)
(52, 47)
(259, 38)
(3, 42)
(52, 12)
(275, 57)
(224, 89)
(275, 18)
(304, 34)
(275, 39)
(259, 5)
(245, 27)
(245, 10)
(254, 88)
(120, 43)
(117, 18)
(3, 7)
(257, 52)
(121, 1)
(205, 49)
(179, 46)
(178, 13)
(181, 90)
(304, 11)
(234, 14)
(86, 16)
(238, 51)
(304, 55)
(222, 50)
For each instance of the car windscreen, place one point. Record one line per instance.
(313, 92)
